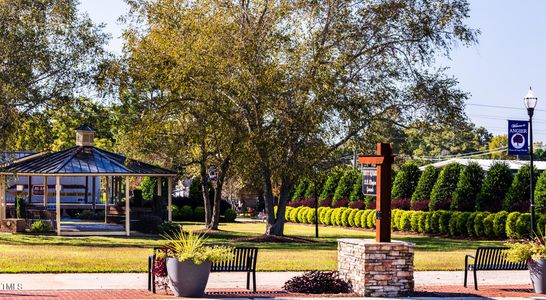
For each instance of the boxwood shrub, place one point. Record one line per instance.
(356, 218)
(405, 220)
(415, 217)
(499, 224)
(302, 214)
(453, 228)
(328, 216)
(523, 226)
(479, 229)
(287, 213)
(541, 224)
(339, 216)
(370, 221)
(435, 221)
(462, 219)
(488, 228)
(351, 220)
(470, 231)
(428, 222)
(443, 222)
(311, 216)
(345, 217)
(511, 229)
(422, 221)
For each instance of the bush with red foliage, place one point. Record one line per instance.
(341, 203)
(421, 205)
(309, 202)
(403, 203)
(326, 202)
(359, 204)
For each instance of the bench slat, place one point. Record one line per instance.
(494, 258)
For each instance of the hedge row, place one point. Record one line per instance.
(499, 225)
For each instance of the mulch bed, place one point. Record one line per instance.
(274, 239)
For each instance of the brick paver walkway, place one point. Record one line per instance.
(487, 291)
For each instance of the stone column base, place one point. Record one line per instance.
(376, 269)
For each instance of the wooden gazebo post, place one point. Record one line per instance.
(127, 208)
(3, 188)
(170, 199)
(107, 200)
(58, 203)
(46, 191)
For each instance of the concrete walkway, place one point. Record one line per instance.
(265, 280)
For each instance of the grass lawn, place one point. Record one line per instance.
(26, 253)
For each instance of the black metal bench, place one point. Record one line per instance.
(489, 259)
(244, 261)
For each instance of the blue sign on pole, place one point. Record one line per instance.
(518, 133)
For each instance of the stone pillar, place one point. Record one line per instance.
(376, 269)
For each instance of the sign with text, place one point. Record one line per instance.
(38, 190)
(369, 181)
(518, 133)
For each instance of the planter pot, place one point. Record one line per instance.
(186, 278)
(537, 270)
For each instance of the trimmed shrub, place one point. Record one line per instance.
(511, 229)
(405, 220)
(453, 229)
(462, 219)
(184, 214)
(20, 207)
(425, 184)
(356, 192)
(488, 228)
(40, 226)
(330, 185)
(372, 216)
(440, 197)
(339, 215)
(321, 212)
(422, 221)
(345, 217)
(499, 224)
(293, 217)
(352, 214)
(395, 219)
(468, 188)
(333, 217)
(523, 226)
(230, 215)
(345, 186)
(364, 218)
(287, 213)
(414, 222)
(435, 221)
(357, 217)
(541, 223)
(302, 214)
(428, 222)
(517, 197)
(479, 228)
(496, 183)
(199, 213)
(148, 187)
(301, 188)
(328, 217)
(445, 217)
(540, 194)
(470, 224)
(311, 216)
(406, 181)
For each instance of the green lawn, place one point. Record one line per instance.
(25, 253)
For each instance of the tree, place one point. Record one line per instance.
(330, 186)
(468, 188)
(49, 53)
(288, 78)
(406, 181)
(426, 182)
(499, 143)
(517, 198)
(495, 185)
(442, 192)
(356, 192)
(345, 186)
(540, 194)
(300, 190)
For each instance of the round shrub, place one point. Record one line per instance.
(321, 212)
(541, 224)
(356, 218)
(468, 188)
(479, 228)
(488, 229)
(294, 214)
(428, 222)
(230, 215)
(499, 224)
(435, 221)
(345, 217)
(40, 226)
(511, 229)
(199, 213)
(470, 224)
(462, 220)
(441, 194)
(523, 226)
(415, 217)
(424, 185)
(540, 195)
(364, 218)
(351, 217)
(339, 215)
(287, 213)
(405, 220)
(311, 215)
(453, 229)
(185, 213)
(395, 218)
(405, 181)
(328, 216)
(496, 183)
(302, 214)
(422, 221)
(372, 216)
(443, 222)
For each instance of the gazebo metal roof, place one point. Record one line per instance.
(81, 161)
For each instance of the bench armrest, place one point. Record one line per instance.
(466, 260)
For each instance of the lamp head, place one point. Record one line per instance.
(530, 99)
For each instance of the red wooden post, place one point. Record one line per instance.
(383, 160)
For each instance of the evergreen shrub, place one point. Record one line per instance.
(499, 224)
(468, 188)
(523, 226)
(479, 227)
(441, 194)
(470, 224)
(424, 185)
(511, 229)
(496, 183)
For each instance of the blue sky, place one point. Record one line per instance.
(510, 57)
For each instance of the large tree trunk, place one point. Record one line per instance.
(277, 227)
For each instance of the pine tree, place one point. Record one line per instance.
(441, 195)
(496, 183)
(468, 188)
(425, 184)
(406, 181)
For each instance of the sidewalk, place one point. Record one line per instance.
(439, 284)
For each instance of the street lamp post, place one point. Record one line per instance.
(530, 101)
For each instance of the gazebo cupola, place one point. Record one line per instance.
(85, 136)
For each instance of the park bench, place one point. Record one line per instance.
(489, 259)
(244, 261)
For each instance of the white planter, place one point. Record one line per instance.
(187, 279)
(537, 270)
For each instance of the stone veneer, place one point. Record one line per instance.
(376, 269)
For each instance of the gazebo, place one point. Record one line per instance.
(83, 160)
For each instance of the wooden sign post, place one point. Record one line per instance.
(383, 160)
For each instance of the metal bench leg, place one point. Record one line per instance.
(254, 281)
(248, 280)
(475, 280)
(149, 273)
(465, 275)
